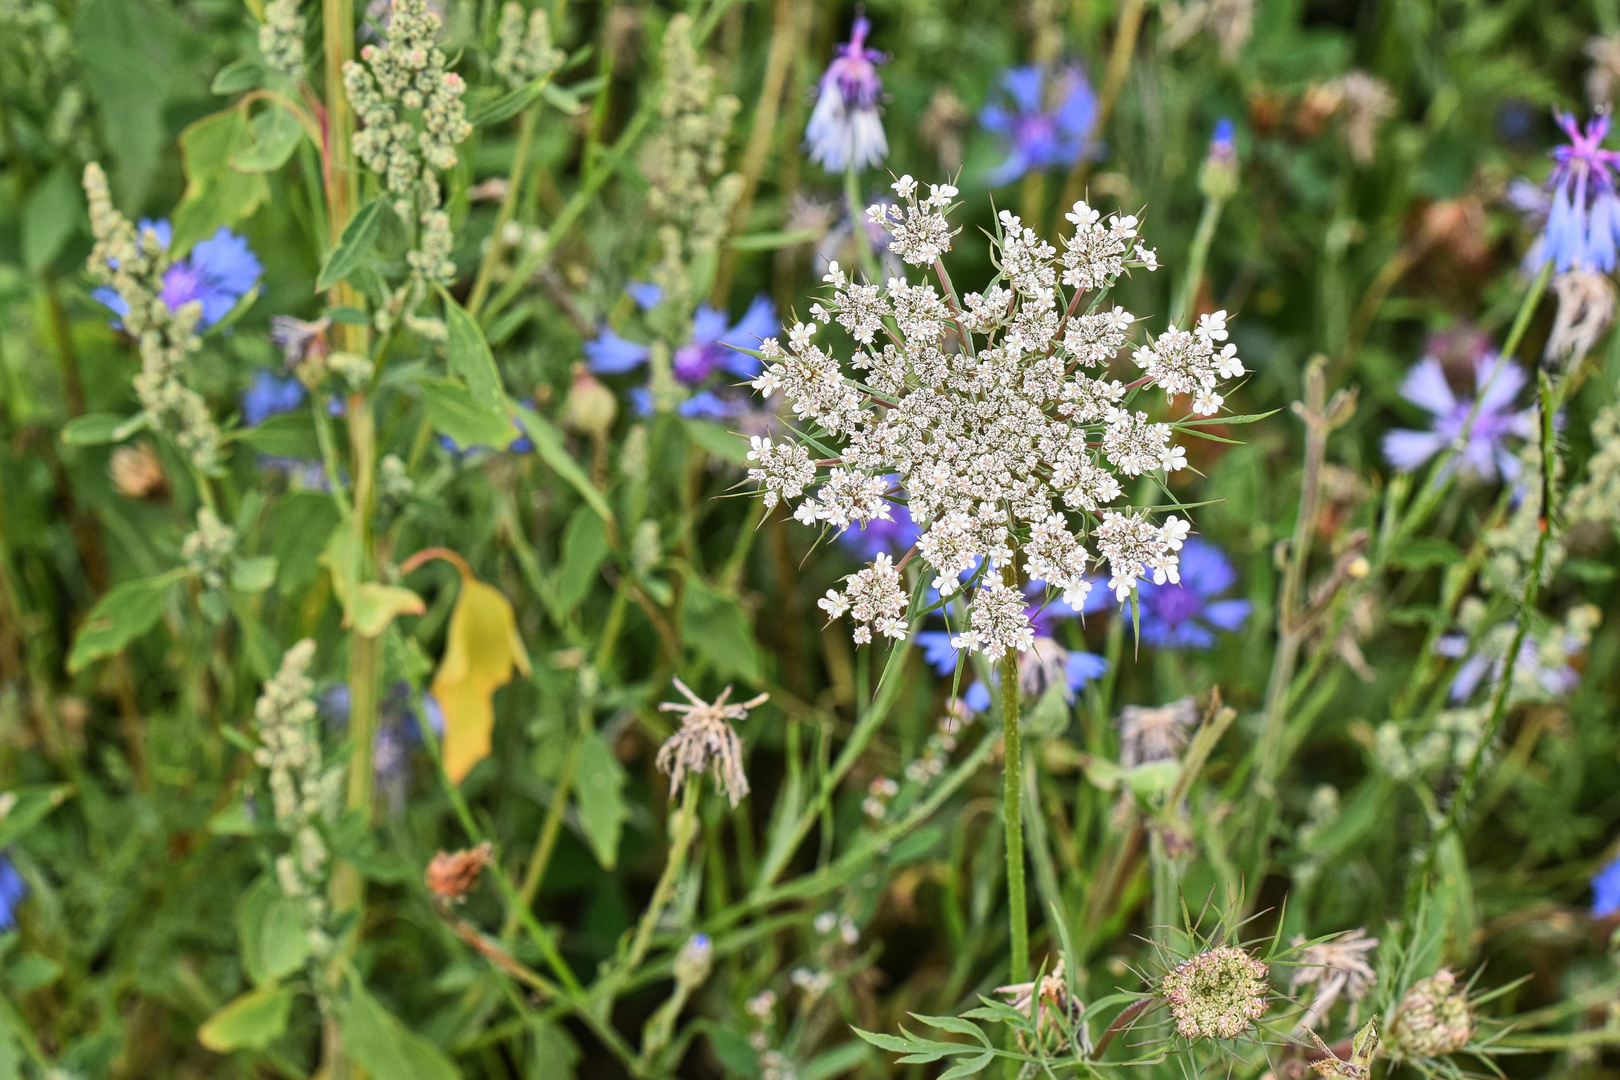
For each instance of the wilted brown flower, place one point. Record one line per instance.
(452, 874)
(137, 473)
(1147, 735)
(1336, 966)
(1046, 1001)
(1605, 74)
(706, 737)
(1585, 309)
(941, 128)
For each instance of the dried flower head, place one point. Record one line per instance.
(1216, 994)
(1047, 1002)
(452, 874)
(983, 411)
(137, 473)
(706, 737)
(1148, 734)
(1336, 966)
(1434, 1018)
(1585, 309)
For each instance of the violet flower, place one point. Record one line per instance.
(1582, 214)
(1046, 119)
(1497, 381)
(217, 273)
(846, 128)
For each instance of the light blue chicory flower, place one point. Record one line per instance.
(1606, 890)
(846, 128)
(217, 273)
(12, 891)
(1582, 224)
(1046, 119)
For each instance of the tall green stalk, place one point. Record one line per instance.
(1013, 820)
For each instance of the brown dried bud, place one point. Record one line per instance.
(591, 407)
(452, 874)
(137, 473)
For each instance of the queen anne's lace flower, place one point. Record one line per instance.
(992, 412)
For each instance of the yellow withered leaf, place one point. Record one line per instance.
(481, 651)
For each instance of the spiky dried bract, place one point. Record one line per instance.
(1047, 1002)
(990, 412)
(133, 264)
(1434, 1018)
(1155, 734)
(706, 742)
(452, 874)
(1335, 967)
(1217, 994)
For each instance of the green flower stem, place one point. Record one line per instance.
(544, 844)
(1197, 255)
(1013, 820)
(514, 183)
(857, 220)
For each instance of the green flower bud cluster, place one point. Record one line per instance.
(281, 38)
(1217, 994)
(1434, 1018)
(208, 548)
(525, 54)
(133, 264)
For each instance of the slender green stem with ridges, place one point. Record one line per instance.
(1013, 816)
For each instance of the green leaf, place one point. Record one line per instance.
(1426, 551)
(252, 1021)
(383, 1045)
(276, 134)
(376, 605)
(237, 76)
(50, 217)
(735, 1055)
(886, 1042)
(723, 444)
(719, 632)
(283, 937)
(470, 357)
(1152, 778)
(353, 246)
(548, 444)
(216, 195)
(127, 51)
(968, 1066)
(289, 434)
(509, 104)
(254, 575)
(30, 972)
(1588, 570)
(553, 1053)
(92, 429)
(599, 792)
(453, 411)
(584, 550)
(771, 241)
(25, 807)
(124, 614)
(248, 918)
(835, 1062)
(955, 1025)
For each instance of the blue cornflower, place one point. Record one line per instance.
(520, 445)
(270, 396)
(12, 890)
(712, 347)
(1181, 616)
(218, 272)
(1044, 665)
(846, 128)
(1497, 381)
(1046, 118)
(1606, 890)
(1583, 216)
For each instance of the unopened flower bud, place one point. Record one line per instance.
(1434, 1018)
(1218, 176)
(692, 964)
(591, 406)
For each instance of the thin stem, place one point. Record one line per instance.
(1119, 66)
(1197, 254)
(1013, 820)
(535, 872)
(857, 222)
(514, 183)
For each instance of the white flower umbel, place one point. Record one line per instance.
(993, 413)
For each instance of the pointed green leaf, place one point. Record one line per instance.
(470, 357)
(383, 1045)
(124, 614)
(252, 1021)
(453, 411)
(353, 246)
(599, 793)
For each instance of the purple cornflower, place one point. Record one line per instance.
(217, 273)
(12, 890)
(1185, 615)
(1497, 381)
(713, 347)
(1044, 665)
(1047, 119)
(846, 129)
(1606, 890)
(270, 396)
(1557, 679)
(1583, 215)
